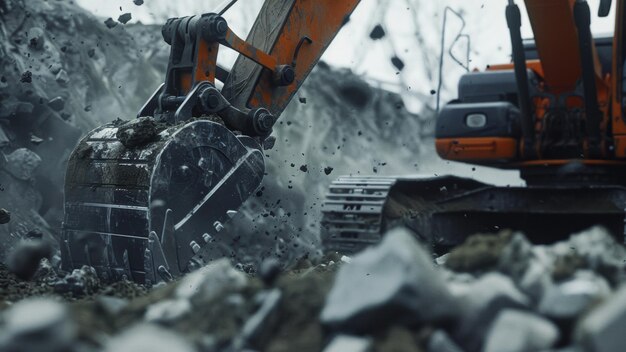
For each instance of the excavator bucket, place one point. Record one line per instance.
(145, 199)
(145, 213)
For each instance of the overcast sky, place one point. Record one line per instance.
(403, 20)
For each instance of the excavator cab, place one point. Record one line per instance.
(552, 106)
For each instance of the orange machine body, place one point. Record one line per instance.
(558, 111)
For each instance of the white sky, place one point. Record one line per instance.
(485, 23)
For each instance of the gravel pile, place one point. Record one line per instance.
(391, 297)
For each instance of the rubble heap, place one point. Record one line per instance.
(395, 296)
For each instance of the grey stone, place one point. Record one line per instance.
(36, 39)
(124, 18)
(24, 260)
(207, 282)
(4, 139)
(110, 23)
(137, 132)
(483, 300)
(167, 311)
(111, 305)
(440, 341)
(62, 77)
(46, 319)
(602, 330)
(257, 330)
(269, 270)
(393, 282)
(148, 338)
(55, 68)
(11, 107)
(347, 343)
(535, 281)
(5, 216)
(516, 256)
(57, 104)
(600, 251)
(517, 331)
(22, 163)
(83, 281)
(567, 300)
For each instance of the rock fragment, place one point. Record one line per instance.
(397, 63)
(27, 77)
(258, 328)
(4, 139)
(62, 77)
(207, 282)
(328, 170)
(269, 270)
(83, 281)
(138, 2)
(37, 325)
(600, 252)
(137, 132)
(124, 18)
(377, 32)
(440, 341)
(5, 216)
(57, 103)
(569, 299)
(24, 260)
(36, 38)
(516, 331)
(483, 300)
(602, 330)
(22, 164)
(348, 343)
(110, 23)
(147, 337)
(478, 252)
(394, 282)
(167, 311)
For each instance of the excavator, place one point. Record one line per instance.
(144, 199)
(557, 114)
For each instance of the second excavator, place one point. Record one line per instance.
(557, 114)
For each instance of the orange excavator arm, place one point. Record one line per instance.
(296, 32)
(555, 35)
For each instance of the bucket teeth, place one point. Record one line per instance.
(149, 207)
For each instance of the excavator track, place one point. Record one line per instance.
(443, 211)
(353, 212)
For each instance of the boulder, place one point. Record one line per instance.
(347, 343)
(567, 300)
(440, 341)
(517, 331)
(148, 338)
(602, 330)
(37, 325)
(393, 282)
(209, 281)
(483, 300)
(22, 164)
